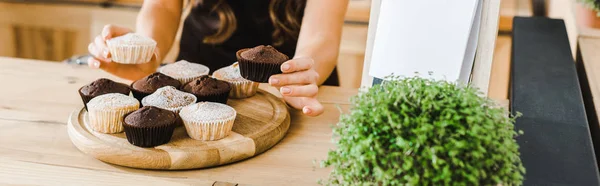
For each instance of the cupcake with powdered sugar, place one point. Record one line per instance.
(241, 87)
(106, 112)
(169, 98)
(184, 71)
(208, 121)
(131, 48)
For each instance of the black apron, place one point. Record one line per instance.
(254, 28)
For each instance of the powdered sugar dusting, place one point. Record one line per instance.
(183, 68)
(229, 73)
(207, 111)
(132, 39)
(168, 98)
(112, 101)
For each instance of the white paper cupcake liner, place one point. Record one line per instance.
(243, 89)
(209, 130)
(131, 54)
(109, 121)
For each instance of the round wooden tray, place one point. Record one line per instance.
(261, 122)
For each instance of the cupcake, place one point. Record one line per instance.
(240, 87)
(169, 98)
(149, 126)
(147, 85)
(100, 87)
(208, 121)
(106, 112)
(259, 63)
(131, 48)
(184, 71)
(206, 88)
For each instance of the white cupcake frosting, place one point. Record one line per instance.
(169, 98)
(183, 68)
(112, 101)
(229, 73)
(207, 111)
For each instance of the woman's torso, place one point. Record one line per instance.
(254, 27)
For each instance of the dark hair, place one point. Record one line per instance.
(285, 16)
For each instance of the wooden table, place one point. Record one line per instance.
(36, 99)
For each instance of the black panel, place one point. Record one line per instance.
(556, 148)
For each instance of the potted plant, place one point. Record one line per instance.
(588, 13)
(417, 131)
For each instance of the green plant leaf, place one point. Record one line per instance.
(418, 131)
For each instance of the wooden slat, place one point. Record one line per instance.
(59, 45)
(590, 59)
(366, 79)
(8, 46)
(488, 32)
(358, 11)
(500, 75)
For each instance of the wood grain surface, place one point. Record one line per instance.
(590, 58)
(261, 122)
(37, 98)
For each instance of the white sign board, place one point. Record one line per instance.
(417, 36)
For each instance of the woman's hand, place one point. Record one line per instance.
(102, 57)
(298, 85)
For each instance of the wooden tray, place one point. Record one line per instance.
(261, 122)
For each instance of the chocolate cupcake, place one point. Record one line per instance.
(149, 126)
(259, 63)
(206, 88)
(149, 84)
(99, 87)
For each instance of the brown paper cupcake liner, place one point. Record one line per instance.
(217, 97)
(149, 136)
(243, 89)
(256, 71)
(84, 98)
(138, 94)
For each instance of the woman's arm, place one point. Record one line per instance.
(316, 55)
(158, 19)
(321, 33)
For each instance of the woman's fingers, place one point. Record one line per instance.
(297, 78)
(96, 53)
(300, 90)
(312, 107)
(299, 64)
(93, 63)
(110, 31)
(309, 105)
(102, 47)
